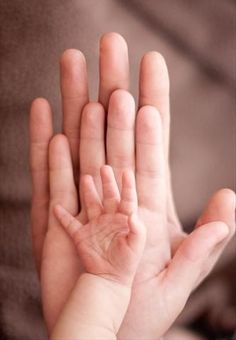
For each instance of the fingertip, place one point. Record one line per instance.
(154, 59)
(220, 207)
(122, 98)
(106, 172)
(59, 153)
(86, 179)
(149, 125)
(58, 143)
(74, 85)
(58, 210)
(108, 40)
(38, 103)
(86, 185)
(154, 83)
(135, 223)
(201, 242)
(128, 178)
(114, 66)
(40, 119)
(228, 195)
(219, 229)
(148, 114)
(71, 57)
(57, 207)
(92, 112)
(153, 68)
(121, 110)
(106, 168)
(132, 220)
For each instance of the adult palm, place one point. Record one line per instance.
(57, 182)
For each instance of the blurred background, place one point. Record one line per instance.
(197, 38)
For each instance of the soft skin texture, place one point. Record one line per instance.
(94, 310)
(110, 246)
(54, 252)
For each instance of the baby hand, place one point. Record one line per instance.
(111, 243)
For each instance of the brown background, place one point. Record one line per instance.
(197, 39)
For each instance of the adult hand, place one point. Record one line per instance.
(54, 252)
(60, 267)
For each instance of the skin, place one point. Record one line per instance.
(167, 246)
(111, 243)
(110, 246)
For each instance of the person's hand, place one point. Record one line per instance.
(54, 252)
(59, 256)
(156, 289)
(111, 243)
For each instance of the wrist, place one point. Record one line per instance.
(107, 298)
(95, 309)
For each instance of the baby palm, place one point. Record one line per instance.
(110, 244)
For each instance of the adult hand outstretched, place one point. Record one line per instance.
(168, 248)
